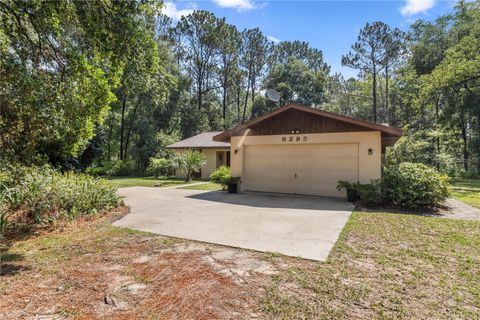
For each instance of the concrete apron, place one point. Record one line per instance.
(299, 226)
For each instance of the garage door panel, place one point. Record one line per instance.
(303, 169)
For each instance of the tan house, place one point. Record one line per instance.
(216, 153)
(298, 150)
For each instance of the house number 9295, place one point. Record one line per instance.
(294, 138)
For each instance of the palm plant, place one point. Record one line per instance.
(190, 162)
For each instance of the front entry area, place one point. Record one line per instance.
(308, 169)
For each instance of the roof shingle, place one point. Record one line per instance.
(202, 140)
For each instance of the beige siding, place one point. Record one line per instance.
(311, 165)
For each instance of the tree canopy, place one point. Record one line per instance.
(91, 82)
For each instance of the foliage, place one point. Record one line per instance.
(222, 176)
(45, 194)
(414, 185)
(161, 167)
(370, 194)
(121, 168)
(297, 83)
(190, 162)
(6, 200)
(59, 65)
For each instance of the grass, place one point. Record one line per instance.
(466, 190)
(122, 182)
(205, 186)
(386, 266)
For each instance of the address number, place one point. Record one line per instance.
(294, 138)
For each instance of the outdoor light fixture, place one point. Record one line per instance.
(295, 130)
(370, 151)
(236, 151)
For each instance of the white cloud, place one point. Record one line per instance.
(412, 7)
(273, 39)
(236, 4)
(170, 9)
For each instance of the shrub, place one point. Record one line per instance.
(369, 193)
(221, 176)
(45, 194)
(414, 185)
(121, 168)
(189, 162)
(160, 167)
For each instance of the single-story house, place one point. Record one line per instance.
(300, 150)
(217, 153)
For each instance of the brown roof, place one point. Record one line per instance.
(202, 140)
(387, 132)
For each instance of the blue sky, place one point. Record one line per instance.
(331, 26)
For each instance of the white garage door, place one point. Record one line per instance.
(313, 169)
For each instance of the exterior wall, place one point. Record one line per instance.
(369, 166)
(210, 163)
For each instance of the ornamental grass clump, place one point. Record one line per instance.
(43, 194)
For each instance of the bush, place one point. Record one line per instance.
(123, 168)
(370, 194)
(414, 185)
(160, 167)
(45, 194)
(221, 176)
(189, 162)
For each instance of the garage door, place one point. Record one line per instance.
(313, 169)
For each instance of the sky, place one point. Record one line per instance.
(331, 26)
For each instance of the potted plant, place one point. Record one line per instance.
(232, 184)
(351, 188)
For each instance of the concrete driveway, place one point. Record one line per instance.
(306, 227)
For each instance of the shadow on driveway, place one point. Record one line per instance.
(275, 200)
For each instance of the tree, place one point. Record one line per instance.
(60, 63)
(297, 83)
(368, 54)
(394, 44)
(198, 37)
(254, 57)
(189, 162)
(228, 44)
(300, 50)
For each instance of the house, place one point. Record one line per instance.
(217, 153)
(300, 150)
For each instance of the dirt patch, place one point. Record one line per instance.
(92, 270)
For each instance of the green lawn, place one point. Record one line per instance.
(466, 190)
(204, 186)
(121, 182)
(386, 266)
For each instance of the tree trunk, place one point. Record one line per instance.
(387, 111)
(374, 94)
(465, 146)
(245, 106)
(437, 138)
(122, 126)
(239, 92)
(224, 101)
(130, 126)
(110, 132)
